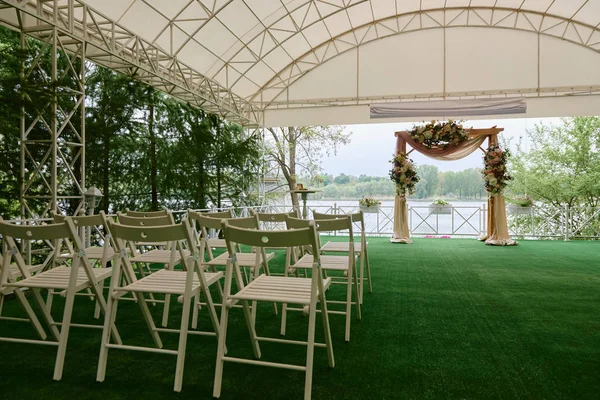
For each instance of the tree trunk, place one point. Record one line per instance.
(291, 139)
(105, 171)
(153, 166)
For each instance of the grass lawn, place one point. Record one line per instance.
(448, 318)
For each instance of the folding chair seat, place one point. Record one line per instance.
(303, 291)
(79, 276)
(342, 247)
(330, 263)
(185, 284)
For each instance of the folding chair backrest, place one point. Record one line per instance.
(151, 234)
(247, 222)
(323, 225)
(305, 236)
(219, 214)
(204, 221)
(275, 217)
(50, 232)
(126, 234)
(145, 221)
(147, 214)
(356, 218)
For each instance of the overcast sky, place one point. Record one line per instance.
(372, 146)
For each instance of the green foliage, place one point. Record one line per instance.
(298, 151)
(562, 164)
(143, 149)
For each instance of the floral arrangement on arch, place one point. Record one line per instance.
(439, 134)
(403, 174)
(369, 202)
(495, 174)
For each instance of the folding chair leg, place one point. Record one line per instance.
(356, 294)
(109, 320)
(167, 305)
(45, 313)
(221, 351)
(64, 334)
(310, 348)
(362, 274)
(349, 303)
(196, 300)
(212, 312)
(268, 273)
(283, 319)
(183, 334)
(149, 320)
(97, 308)
(368, 270)
(49, 299)
(30, 313)
(326, 329)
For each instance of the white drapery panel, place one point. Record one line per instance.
(449, 108)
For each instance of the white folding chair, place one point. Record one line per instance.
(69, 280)
(345, 264)
(166, 253)
(361, 248)
(246, 260)
(276, 221)
(253, 262)
(186, 285)
(13, 274)
(99, 256)
(304, 291)
(204, 233)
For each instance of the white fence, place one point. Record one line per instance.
(537, 222)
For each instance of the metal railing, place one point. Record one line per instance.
(536, 222)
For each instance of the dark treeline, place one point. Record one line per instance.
(466, 184)
(144, 150)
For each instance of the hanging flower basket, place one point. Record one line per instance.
(440, 206)
(515, 209)
(369, 210)
(369, 205)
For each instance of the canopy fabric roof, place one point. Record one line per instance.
(305, 62)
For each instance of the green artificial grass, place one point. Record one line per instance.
(447, 319)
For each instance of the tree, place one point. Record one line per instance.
(429, 181)
(299, 150)
(562, 166)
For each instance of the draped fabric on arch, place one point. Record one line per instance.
(497, 232)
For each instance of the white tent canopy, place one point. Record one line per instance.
(305, 62)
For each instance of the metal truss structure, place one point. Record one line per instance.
(301, 62)
(53, 127)
(114, 46)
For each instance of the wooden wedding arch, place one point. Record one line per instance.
(497, 228)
